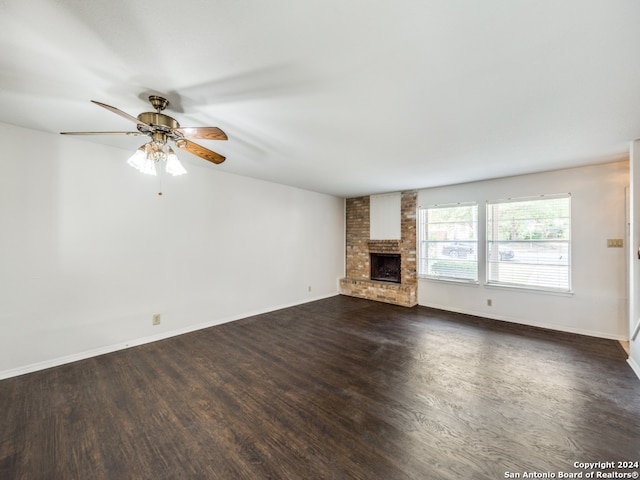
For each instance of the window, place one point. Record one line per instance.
(449, 242)
(529, 242)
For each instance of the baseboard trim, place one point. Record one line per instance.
(504, 318)
(634, 366)
(56, 362)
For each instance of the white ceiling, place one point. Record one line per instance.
(346, 97)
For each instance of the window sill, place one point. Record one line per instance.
(457, 281)
(517, 288)
(511, 288)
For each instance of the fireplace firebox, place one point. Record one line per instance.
(385, 267)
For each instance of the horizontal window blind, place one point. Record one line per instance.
(449, 242)
(529, 242)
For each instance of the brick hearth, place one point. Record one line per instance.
(358, 247)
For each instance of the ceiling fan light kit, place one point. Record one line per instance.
(154, 153)
(160, 128)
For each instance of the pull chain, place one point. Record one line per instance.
(160, 175)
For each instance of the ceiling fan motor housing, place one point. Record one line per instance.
(160, 121)
(158, 125)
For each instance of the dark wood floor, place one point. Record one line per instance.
(341, 388)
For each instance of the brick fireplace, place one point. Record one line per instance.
(359, 247)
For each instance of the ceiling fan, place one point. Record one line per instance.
(160, 128)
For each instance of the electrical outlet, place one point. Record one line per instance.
(309, 287)
(489, 302)
(156, 319)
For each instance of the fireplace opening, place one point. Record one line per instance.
(385, 267)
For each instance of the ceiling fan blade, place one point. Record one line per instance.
(120, 112)
(202, 133)
(200, 151)
(103, 133)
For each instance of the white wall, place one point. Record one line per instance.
(90, 252)
(598, 304)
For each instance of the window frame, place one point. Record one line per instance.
(489, 242)
(423, 244)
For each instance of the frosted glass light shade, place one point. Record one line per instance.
(149, 167)
(138, 159)
(174, 167)
(141, 161)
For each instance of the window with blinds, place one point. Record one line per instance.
(529, 242)
(448, 247)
